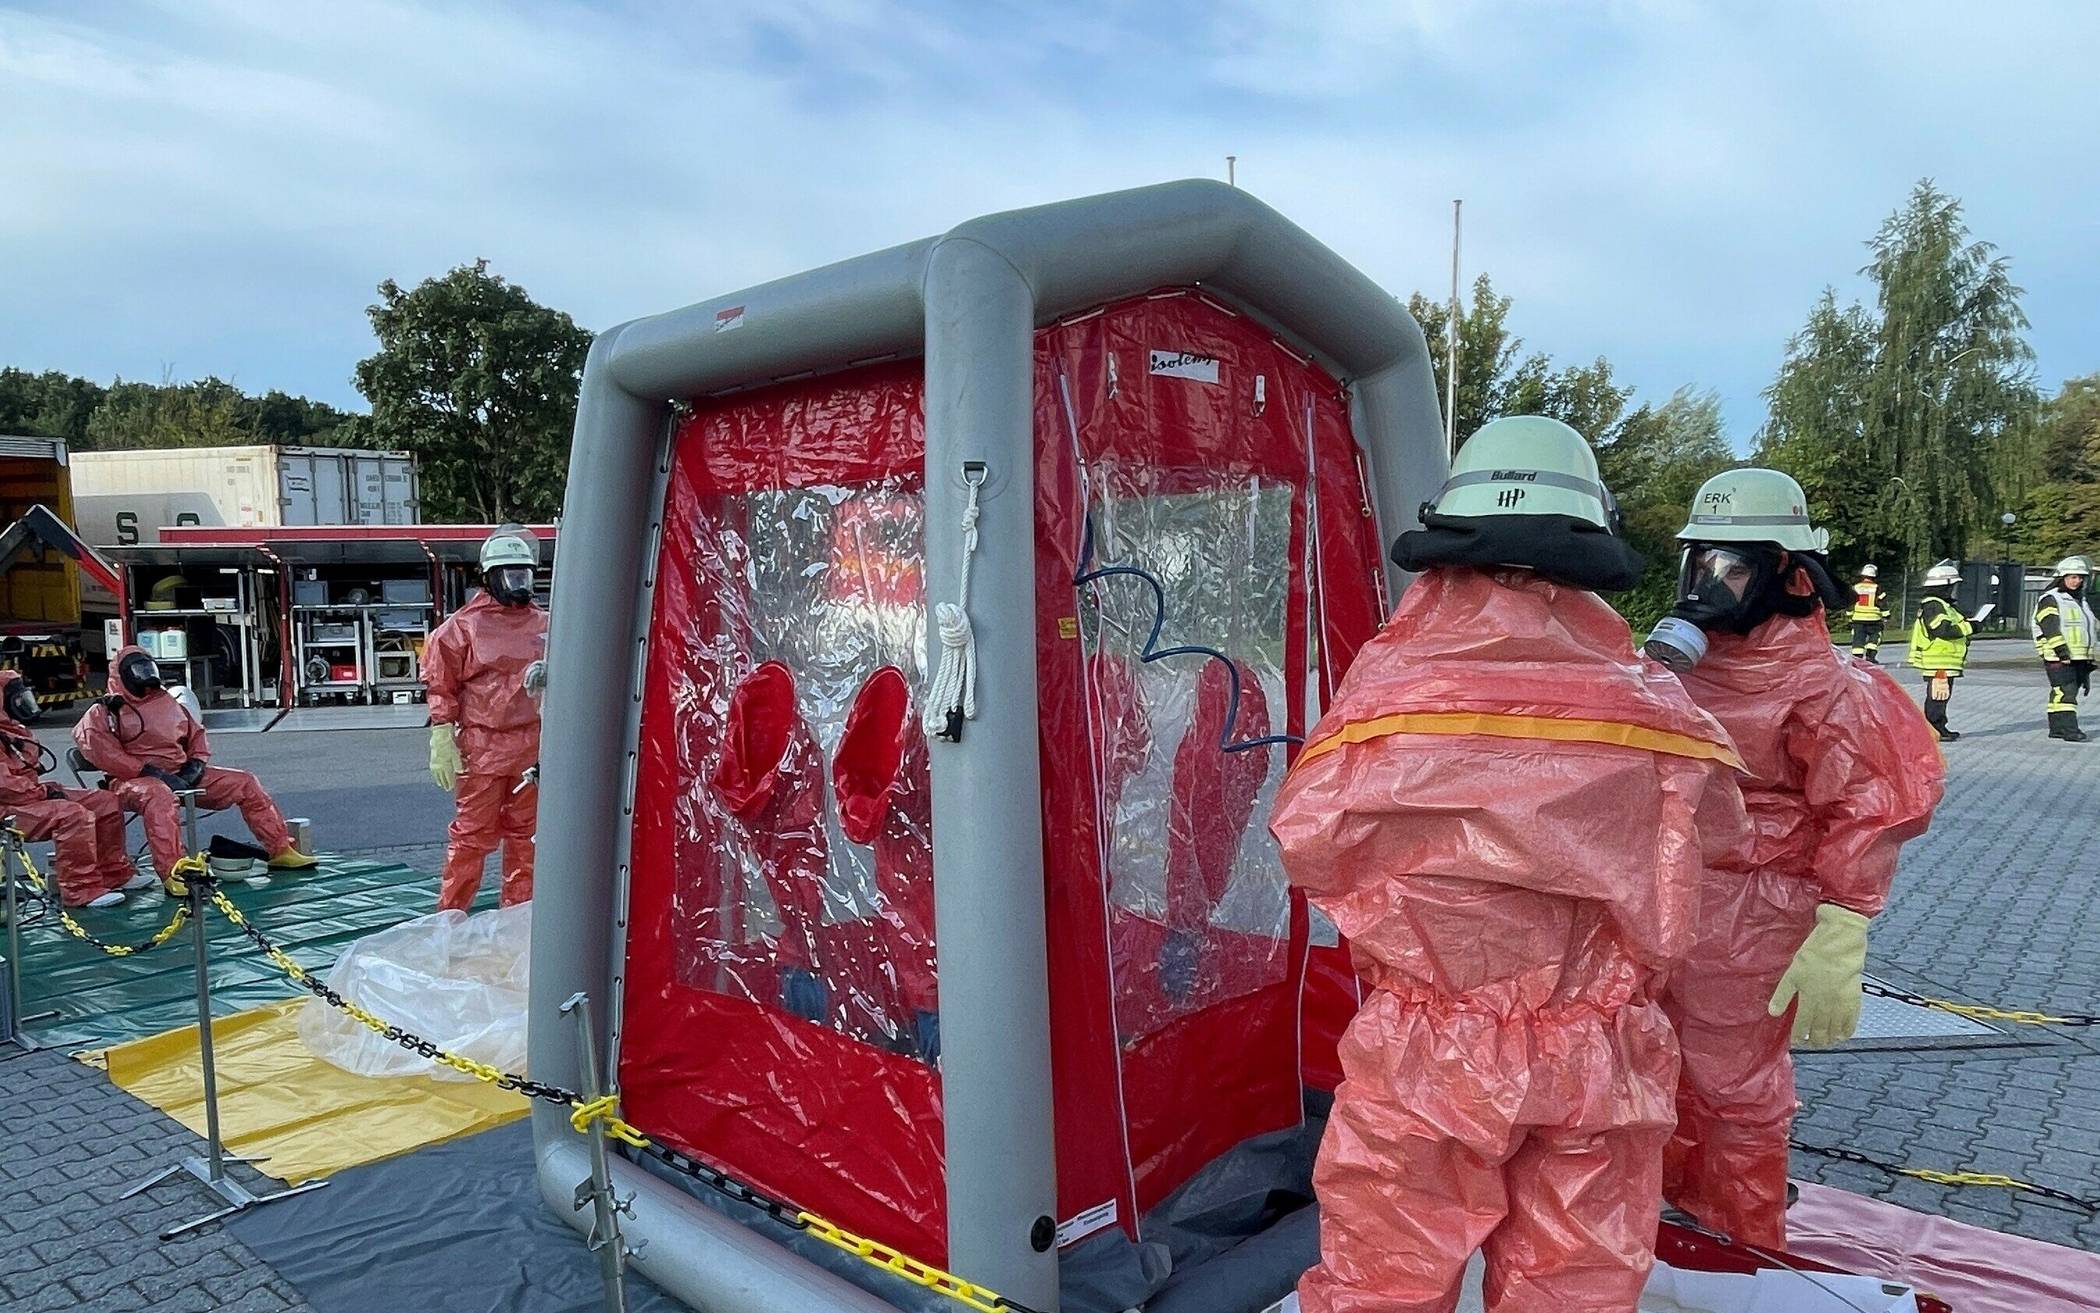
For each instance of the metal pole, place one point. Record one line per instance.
(598, 1190)
(1451, 344)
(197, 936)
(211, 1169)
(12, 1018)
(1231, 170)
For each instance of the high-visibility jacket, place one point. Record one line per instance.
(2064, 626)
(1866, 600)
(1939, 638)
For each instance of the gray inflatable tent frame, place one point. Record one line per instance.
(970, 301)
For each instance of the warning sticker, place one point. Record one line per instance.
(725, 320)
(1084, 1224)
(1184, 364)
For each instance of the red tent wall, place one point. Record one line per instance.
(1210, 456)
(1166, 399)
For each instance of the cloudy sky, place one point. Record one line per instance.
(214, 186)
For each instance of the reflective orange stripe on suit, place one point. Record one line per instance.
(1552, 728)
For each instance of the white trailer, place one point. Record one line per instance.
(124, 498)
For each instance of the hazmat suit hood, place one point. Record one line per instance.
(116, 682)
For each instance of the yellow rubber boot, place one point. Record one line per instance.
(291, 859)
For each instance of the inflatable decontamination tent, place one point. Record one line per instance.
(934, 629)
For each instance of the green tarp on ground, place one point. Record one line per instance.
(312, 915)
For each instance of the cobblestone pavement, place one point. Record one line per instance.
(1998, 903)
(74, 1143)
(1986, 909)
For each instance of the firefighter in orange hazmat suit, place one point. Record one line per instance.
(1842, 769)
(485, 724)
(1503, 811)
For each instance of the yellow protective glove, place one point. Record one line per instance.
(444, 757)
(1825, 976)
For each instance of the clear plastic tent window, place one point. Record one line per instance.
(1200, 911)
(814, 590)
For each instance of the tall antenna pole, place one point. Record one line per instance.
(1230, 162)
(1451, 346)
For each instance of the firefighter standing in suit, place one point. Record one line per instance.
(2066, 635)
(1939, 644)
(1867, 614)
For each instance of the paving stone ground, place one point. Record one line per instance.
(1999, 903)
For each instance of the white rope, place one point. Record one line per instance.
(954, 688)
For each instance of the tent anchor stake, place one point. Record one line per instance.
(597, 1190)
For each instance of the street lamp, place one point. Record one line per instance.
(2005, 569)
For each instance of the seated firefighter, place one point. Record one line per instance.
(85, 825)
(150, 746)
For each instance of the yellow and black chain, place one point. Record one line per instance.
(1992, 1180)
(80, 932)
(1978, 1011)
(605, 1111)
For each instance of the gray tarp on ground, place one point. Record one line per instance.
(456, 1226)
(459, 1226)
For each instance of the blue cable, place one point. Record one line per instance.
(1151, 652)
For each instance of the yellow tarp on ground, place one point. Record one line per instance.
(304, 1117)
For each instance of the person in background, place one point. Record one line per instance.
(149, 746)
(2065, 633)
(1503, 811)
(1842, 771)
(86, 826)
(1867, 614)
(1939, 644)
(485, 722)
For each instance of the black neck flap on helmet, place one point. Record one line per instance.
(1560, 548)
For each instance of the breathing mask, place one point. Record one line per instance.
(510, 584)
(139, 674)
(21, 702)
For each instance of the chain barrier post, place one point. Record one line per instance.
(211, 1169)
(11, 1018)
(605, 1238)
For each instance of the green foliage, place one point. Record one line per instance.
(480, 381)
(1653, 458)
(1909, 425)
(2061, 513)
(207, 413)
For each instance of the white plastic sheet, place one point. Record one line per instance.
(458, 981)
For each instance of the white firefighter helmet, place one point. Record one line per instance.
(1753, 506)
(1870, 571)
(1939, 576)
(510, 545)
(2073, 565)
(1525, 465)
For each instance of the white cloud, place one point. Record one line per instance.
(216, 185)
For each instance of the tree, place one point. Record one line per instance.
(47, 405)
(2061, 513)
(480, 381)
(1487, 354)
(1907, 423)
